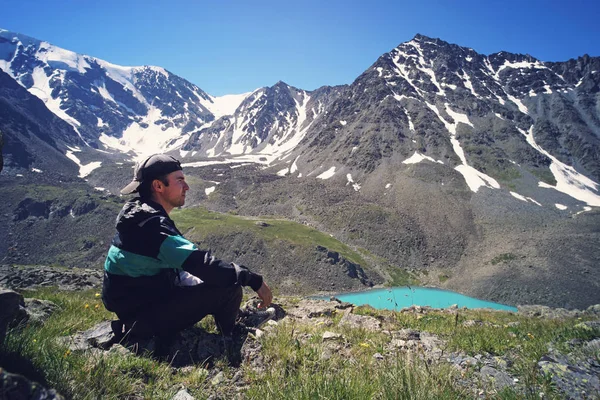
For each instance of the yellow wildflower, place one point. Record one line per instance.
(97, 306)
(97, 295)
(86, 306)
(364, 344)
(530, 335)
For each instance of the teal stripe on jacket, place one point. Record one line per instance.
(172, 254)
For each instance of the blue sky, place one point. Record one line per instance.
(228, 47)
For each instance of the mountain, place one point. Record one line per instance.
(504, 120)
(140, 110)
(35, 139)
(118, 107)
(269, 123)
(437, 165)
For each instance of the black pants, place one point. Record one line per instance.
(185, 306)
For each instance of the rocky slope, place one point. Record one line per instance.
(542, 352)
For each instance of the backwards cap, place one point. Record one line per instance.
(151, 168)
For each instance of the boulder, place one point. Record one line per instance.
(499, 379)
(360, 321)
(35, 311)
(18, 387)
(10, 302)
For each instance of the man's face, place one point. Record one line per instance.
(174, 194)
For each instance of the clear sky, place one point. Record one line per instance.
(228, 47)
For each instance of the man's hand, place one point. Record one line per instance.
(265, 296)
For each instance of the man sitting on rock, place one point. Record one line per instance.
(155, 280)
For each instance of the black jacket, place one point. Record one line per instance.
(146, 256)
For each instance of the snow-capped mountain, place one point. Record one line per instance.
(267, 125)
(503, 120)
(500, 120)
(138, 109)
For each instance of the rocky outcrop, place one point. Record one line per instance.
(18, 387)
(15, 311)
(9, 307)
(18, 278)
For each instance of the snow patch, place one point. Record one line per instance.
(283, 172)
(39, 171)
(418, 157)
(294, 166)
(225, 105)
(343, 123)
(84, 169)
(355, 185)
(568, 180)
(388, 185)
(209, 190)
(560, 206)
(518, 196)
(327, 174)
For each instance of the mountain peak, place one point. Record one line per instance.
(11, 36)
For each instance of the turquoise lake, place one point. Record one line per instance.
(397, 298)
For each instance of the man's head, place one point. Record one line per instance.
(160, 178)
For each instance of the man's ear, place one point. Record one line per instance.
(157, 185)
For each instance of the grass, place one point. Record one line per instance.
(504, 257)
(299, 363)
(213, 223)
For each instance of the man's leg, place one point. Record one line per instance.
(186, 306)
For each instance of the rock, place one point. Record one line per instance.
(258, 333)
(498, 379)
(219, 378)
(183, 395)
(595, 309)
(313, 309)
(471, 323)
(547, 312)
(9, 307)
(407, 334)
(588, 325)
(360, 321)
(17, 387)
(262, 224)
(38, 311)
(577, 375)
(378, 356)
(98, 336)
(331, 336)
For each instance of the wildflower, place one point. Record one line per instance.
(67, 353)
(97, 306)
(34, 340)
(97, 295)
(364, 344)
(530, 335)
(86, 306)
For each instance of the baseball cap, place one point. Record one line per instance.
(151, 168)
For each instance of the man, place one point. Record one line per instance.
(155, 280)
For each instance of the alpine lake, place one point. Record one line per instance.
(397, 298)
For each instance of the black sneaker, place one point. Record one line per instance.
(255, 318)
